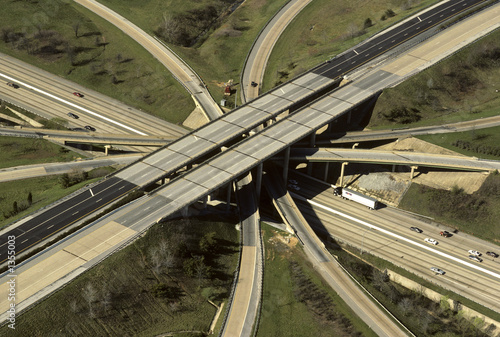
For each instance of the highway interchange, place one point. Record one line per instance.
(207, 139)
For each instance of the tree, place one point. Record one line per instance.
(30, 198)
(368, 23)
(65, 181)
(89, 294)
(207, 242)
(14, 206)
(76, 27)
(406, 305)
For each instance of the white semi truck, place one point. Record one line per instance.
(346, 193)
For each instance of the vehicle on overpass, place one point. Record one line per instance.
(348, 194)
(437, 270)
(431, 241)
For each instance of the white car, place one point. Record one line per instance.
(474, 252)
(431, 241)
(437, 270)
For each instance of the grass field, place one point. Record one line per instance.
(15, 151)
(96, 55)
(323, 30)
(128, 294)
(296, 301)
(44, 190)
(475, 213)
(220, 54)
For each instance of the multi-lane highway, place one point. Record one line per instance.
(387, 234)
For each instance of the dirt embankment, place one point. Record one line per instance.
(389, 187)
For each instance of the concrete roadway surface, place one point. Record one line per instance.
(376, 318)
(40, 170)
(256, 62)
(373, 135)
(386, 233)
(87, 137)
(51, 96)
(393, 157)
(184, 74)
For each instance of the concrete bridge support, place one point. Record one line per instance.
(413, 168)
(327, 167)
(258, 182)
(228, 196)
(344, 164)
(285, 164)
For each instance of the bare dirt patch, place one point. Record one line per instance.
(389, 187)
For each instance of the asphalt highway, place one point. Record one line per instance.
(36, 228)
(385, 233)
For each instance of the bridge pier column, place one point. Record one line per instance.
(394, 168)
(349, 117)
(285, 164)
(344, 164)
(309, 168)
(413, 168)
(205, 200)
(312, 141)
(327, 167)
(228, 196)
(106, 149)
(258, 182)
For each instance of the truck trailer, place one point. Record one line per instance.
(346, 193)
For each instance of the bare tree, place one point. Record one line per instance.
(76, 27)
(89, 294)
(406, 305)
(106, 300)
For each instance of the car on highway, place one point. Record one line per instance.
(446, 234)
(431, 241)
(90, 128)
(72, 115)
(13, 85)
(492, 254)
(293, 181)
(474, 252)
(295, 187)
(254, 84)
(416, 229)
(77, 94)
(437, 270)
(475, 258)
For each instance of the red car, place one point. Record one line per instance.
(77, 94)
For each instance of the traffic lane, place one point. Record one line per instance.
(393, 38)
(64, 214)
(416, 260)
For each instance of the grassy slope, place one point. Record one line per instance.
(133, 310)
(220, 57)
(320, 32)
(142, 81)
(45, 190)
(285, 313)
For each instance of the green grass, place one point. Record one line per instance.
(460, 88)
(103, 53)
(321, 31)
(285, 313)
(128, 280)
(45, 190)
(489, 137)
(15, 151)
(475, 213)
(218, 57)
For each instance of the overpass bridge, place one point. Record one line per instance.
(408, 158)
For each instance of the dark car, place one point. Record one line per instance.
(77, 94)
(492, 254)
(416, 229)
(446, 234)
(13, 85)
(90, 128)
(72, 115)
(254, 84)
